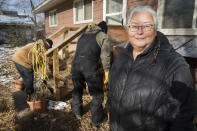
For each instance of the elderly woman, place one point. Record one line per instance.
(151, 88)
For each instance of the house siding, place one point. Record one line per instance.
(133, 3)
(65, 17)
(65, 14)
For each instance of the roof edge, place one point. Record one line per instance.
(38, 9)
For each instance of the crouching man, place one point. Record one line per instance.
(23, 62)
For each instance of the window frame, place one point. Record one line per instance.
(74, 11)
(52, 11)
(179, 31)
(123, 12)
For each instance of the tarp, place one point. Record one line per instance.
(189, 49)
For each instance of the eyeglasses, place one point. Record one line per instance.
(134, 28)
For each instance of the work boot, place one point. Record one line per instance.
(78, 116)
(78, 113)
(104, 119)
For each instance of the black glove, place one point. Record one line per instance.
(29, 91)
(45, 82)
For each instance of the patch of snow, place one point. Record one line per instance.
(5, 61)
(5, 79)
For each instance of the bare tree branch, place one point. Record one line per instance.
(28, 6)
(34, 15)
(2, 2)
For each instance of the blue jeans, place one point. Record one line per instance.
(28, 77)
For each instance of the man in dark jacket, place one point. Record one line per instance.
(151, 88)
(91, 46)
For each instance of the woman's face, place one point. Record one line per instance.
(141, 31)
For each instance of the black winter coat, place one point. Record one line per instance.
(153, 93)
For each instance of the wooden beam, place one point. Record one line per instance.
(60, 31)
(55, 73)
(67, 40)
(60, 77)
(65, 34)
(184, 43)
(63, 50)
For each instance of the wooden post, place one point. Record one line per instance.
(55, 73)
(64, 35)
(54, 51)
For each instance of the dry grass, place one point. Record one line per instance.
(64, 120)
(7, 111)
(50, 120)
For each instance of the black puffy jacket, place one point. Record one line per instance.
(153, 93)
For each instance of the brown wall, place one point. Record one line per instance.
(65, 18)
(133, 3)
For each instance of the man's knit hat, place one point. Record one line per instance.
(103, 26)
(50, 42)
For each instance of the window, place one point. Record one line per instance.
(177, 17)
(114, 11)
(83, 11)
(53, 18)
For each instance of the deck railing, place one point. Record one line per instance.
(53, 52)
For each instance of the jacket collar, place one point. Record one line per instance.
(129, 48)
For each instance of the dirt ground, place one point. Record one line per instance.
(15, 113)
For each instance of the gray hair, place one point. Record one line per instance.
(146, 8)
